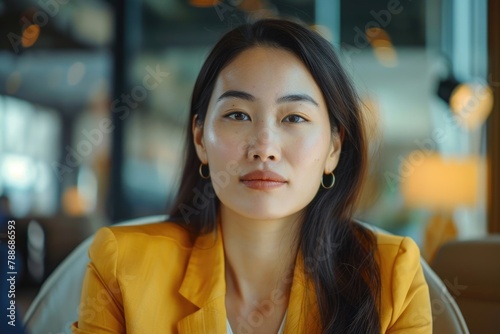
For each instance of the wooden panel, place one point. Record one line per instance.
(494, 120)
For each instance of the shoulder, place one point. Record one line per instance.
(391, 246)
(138, 271)
(165, 231)
(398, 258)
(393, 250)
(137, 241)
(404, 292)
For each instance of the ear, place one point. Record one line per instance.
(333, 152)
(199, 142)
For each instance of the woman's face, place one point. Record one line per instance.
(266, 136)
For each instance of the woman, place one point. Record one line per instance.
(262, 238)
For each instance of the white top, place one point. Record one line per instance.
(280, 331)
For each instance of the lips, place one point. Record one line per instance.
(262, 180)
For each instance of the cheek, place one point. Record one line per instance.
(310, 149)
(223, 145)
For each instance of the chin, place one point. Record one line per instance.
(263, 212)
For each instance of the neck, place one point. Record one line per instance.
(259, 255)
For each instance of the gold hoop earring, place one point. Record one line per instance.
(332, 182)
(200, 170)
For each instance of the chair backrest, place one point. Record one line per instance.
(55, 307)
(446, 315)
(471, 271)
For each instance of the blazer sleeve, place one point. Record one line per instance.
(101, 305)
(410, 292)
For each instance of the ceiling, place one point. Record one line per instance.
(76, 36)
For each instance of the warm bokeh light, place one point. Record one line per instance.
(74, 203)
(434, 182)
(472, 104)
(381, 43)
(30, 35)
(386, 56)
(252, 6)
(377, 34)
(203, 3)
(382, 47)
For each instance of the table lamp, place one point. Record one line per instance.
(441, 185)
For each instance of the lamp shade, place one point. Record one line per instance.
(472, 104)
(435, 182)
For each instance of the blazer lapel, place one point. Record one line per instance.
(303, 314)
(211, 318)
(204, 285)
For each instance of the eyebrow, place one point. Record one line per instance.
(297, 98)
(284, 99)
(236, 94)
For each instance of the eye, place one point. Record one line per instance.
(294, 119)
(238, 116)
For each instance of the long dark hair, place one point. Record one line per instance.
(345, 274)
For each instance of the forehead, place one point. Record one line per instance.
(267, 72)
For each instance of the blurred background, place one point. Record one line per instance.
(94, 102)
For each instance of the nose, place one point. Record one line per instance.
(264, 146)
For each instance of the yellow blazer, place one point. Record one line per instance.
(155, 279)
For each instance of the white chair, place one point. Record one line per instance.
(55, 307)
